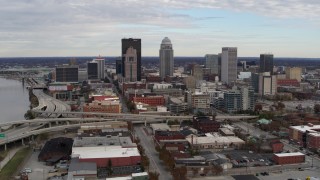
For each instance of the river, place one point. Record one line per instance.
(14, 100)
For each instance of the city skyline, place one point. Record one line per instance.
(79, 28)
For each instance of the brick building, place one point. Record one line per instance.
(276, 146)
(168, 135)
(306, 135)
(151, 100)
(205, 124)
(103, 107)
(288, 82)
(289, 158)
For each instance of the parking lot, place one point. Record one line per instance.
(292, 174)
(246, 158)
(39, 169)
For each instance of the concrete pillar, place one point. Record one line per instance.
(49, 124)
(145, 121)
(5, 146)
(22, 142)
(67, 122)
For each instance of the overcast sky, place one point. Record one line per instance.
(286, 28)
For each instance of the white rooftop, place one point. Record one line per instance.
(215, 139)
(304, 128)
(103, 152)
(120, 178)
(139, 174)
(160, 126)
(289, 154)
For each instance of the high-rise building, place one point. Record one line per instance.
(267, 84)
(294, 73)
(229, 64)
(212, 62)
(101, 63)
(130, 65)
(135, 44)
(92, 70)
(266, 63)
(119, 66)
(166, 58)
(247, 98)
(67, 73)
(232, 101)
(197, 71)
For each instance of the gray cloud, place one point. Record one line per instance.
(81, 27)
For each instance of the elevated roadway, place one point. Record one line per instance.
(127, 115)
(49, 104)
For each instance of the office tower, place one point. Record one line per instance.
(135, 44)
(92, 70)
(119, 66)
(229, 65)
(294, 73)
(266, 63)
(166, 58)
(130, 65)
(197, 71)
(219, 66)
(212, 62)
(67, 73)
(267, 84)
(101, 63)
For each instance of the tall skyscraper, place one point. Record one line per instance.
(166, 58)
(130, 65)
(266, 63)
(229, 64)
(92, 70)
(212, 62)
(135, 44)
(101, 63)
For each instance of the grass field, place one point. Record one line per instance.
(11, 167)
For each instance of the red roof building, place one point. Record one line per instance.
(150, 100)
(288, 82)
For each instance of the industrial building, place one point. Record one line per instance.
(289, 158)
(306, 135)
(215, 142)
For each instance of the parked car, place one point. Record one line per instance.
(27, 170)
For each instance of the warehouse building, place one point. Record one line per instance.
(289, 158)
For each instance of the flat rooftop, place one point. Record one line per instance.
(160, 126)
(289, 154)
(102, 141)
(215, 139)
(304, 128)
(104, 152)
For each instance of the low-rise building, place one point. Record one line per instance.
(151, 100)
(205, 124)
(306, 135)
(177, 105)
(159, 127)
(168, 135)
(289, 158)
(109, 106)
(215, 142)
